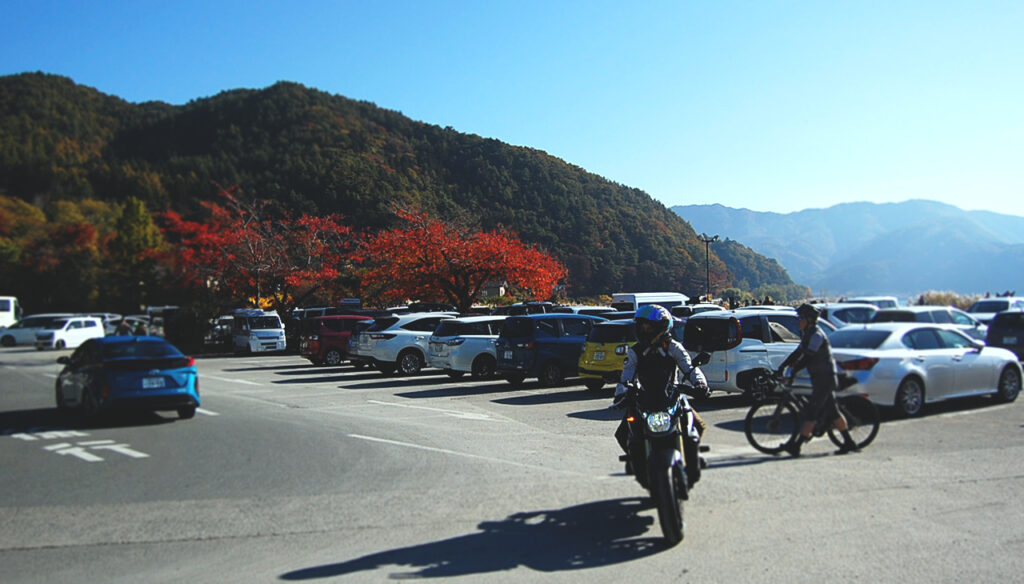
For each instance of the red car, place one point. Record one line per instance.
(324, 339)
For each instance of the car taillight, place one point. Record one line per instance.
(863, 364)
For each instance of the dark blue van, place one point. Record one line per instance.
(545, 346)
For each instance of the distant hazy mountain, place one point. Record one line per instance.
(894, 248)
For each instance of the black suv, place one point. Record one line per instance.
(1007, 331)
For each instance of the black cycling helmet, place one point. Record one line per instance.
(808, 312)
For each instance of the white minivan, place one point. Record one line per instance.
(24, 331)
(69, 332)
(257, 331)
(10, 310)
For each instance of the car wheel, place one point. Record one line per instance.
(483, 367)
(910, 397)
(594, 384)
(186, 412)
(7, 341)
(90, 406)
(60, 344)
(61, 406)
(551, 374)
(1009, 384)
(410, 363)
(332, 358)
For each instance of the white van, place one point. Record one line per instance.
(257, 331)
(24, 331)
(631, 301)
(69, 332)
(10, 310)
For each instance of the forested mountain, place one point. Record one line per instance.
(894, 248)
(309, 151)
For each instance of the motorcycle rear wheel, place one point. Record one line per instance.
(670, 506)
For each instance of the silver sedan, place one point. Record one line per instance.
(906, 365)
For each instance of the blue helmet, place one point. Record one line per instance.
(652, 321)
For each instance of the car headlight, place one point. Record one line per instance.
(659, 421)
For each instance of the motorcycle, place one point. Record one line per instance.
(663, 435)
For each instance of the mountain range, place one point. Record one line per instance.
(900, 249)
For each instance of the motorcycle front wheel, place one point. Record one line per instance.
(771, 425)
(670, 506)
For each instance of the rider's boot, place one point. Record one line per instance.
(793, 448)
(849, 444)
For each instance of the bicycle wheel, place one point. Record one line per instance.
(862, 417)
(771, 425)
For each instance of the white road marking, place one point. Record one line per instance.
(453, 413)
(229, 380)
(206, 412)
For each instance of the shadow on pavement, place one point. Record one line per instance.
(576, 538)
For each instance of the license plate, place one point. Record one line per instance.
(598, 355)
(508, 355)
(1009, 340)
(153, 382)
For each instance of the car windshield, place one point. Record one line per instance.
(264, 322)
(613, 333)
(989, 306)
(857, 339)
(149, 349)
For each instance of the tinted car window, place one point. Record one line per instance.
(990, 306)
(940, 316)
(143, 349)
(788, 323)
(517, 327)
(855, 314)
(751, 328)
(857, 339)
(383, 323)
(893, 316)
(952, 340)
(613, 333)
(575, 327)
(547, 328)
(423, 324)
(921, 340)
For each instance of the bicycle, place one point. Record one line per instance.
(774, 421)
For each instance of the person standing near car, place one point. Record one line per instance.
(659, 363)
(123, 328)
(815, 354)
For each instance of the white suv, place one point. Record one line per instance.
(462, 345)
(69, 332)
(741, 343)
(399, 342)
(24, 331)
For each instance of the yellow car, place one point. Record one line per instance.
(604, 353)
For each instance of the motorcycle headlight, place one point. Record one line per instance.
(659, 421)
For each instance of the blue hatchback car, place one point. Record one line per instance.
(128, 372)
(545, 346)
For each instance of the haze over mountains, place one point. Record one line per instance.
(902, 249)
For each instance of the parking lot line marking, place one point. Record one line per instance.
(206, 412)
(457, 414)
(228, 379)
(463, 454)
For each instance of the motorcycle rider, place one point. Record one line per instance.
(660, 363)
(815, 353)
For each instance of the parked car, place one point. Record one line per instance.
(399, 342)
(687, 310)
(546, 346)
(741, 343)
(584, 309)
(906, 365)
(840, 314)
(937, 314)
(466, 345)
(877, 301)
(1007, 331)
(604, 352)
(257, 331)
(145, 373)
(68, 332)
(354, 353)
(24, 331)
(986, 308)
(524, 308)
(324, 339)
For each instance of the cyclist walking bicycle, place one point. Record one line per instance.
(815, 354)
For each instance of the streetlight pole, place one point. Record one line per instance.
(708, 240)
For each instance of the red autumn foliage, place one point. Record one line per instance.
(442, 261)
(245, 257)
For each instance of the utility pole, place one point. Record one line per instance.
(708, 240)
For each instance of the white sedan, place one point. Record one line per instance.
(906, 365)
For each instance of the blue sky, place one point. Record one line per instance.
(765, 105)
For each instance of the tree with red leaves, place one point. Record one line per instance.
(432, 260)
(245, 257)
